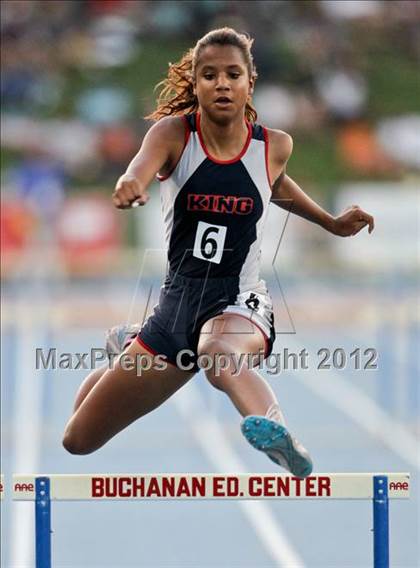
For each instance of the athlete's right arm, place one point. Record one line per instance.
(158, 147)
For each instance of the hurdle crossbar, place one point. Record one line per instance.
(42, 489)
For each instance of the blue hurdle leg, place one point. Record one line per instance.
(42, 522)
(380, 522)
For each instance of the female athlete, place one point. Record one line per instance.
(218, 170)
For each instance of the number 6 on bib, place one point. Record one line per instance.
(209, 242)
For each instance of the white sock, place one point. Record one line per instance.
(274, 413)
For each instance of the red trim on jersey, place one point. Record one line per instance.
(259, 327)
(215, 160)
(153, 352)
(187, 133)
(265, 131)
(149, 349)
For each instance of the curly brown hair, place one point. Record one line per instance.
(177, 93)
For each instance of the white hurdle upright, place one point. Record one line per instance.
(42, 489)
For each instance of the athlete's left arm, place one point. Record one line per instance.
(287, 194)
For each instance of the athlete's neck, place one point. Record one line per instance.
(224, 141)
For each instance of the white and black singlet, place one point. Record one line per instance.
(214, 213)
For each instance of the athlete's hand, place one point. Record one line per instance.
(129, 192)
(351, 221)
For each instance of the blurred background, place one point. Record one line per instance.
(342, 77)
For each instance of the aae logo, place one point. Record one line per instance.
(23, 487)
(398, 485)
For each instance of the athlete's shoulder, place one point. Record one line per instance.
(281, 144)
(170, 129)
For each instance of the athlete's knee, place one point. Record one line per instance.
(213, 345)
(214, 354)
(77, 444)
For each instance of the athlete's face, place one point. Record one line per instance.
(222, 82)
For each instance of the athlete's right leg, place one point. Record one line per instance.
(87, 385)
(118, 398)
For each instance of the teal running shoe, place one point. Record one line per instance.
(275, 440)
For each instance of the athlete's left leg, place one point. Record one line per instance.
(229, 336)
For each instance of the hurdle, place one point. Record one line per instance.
(43, 489)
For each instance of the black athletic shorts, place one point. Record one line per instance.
(185, 304)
